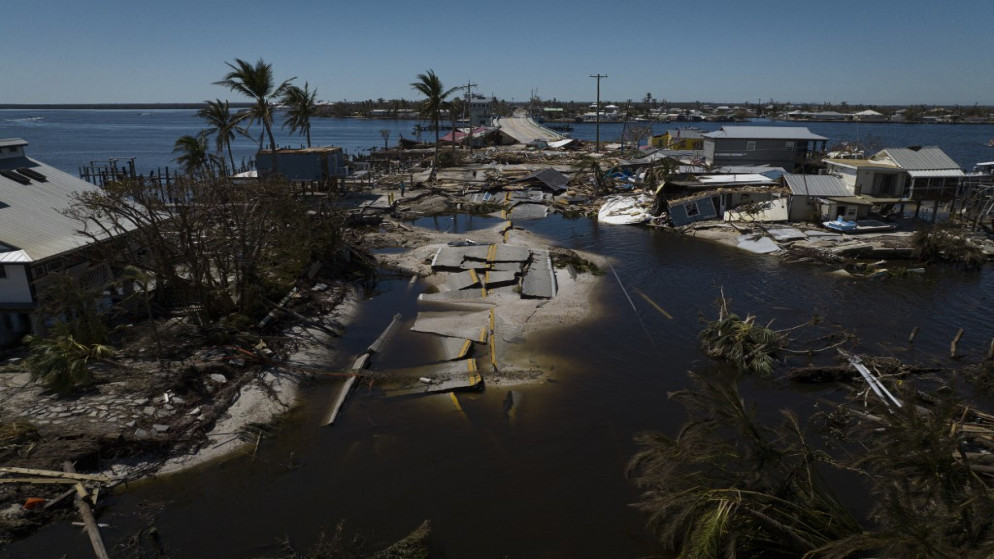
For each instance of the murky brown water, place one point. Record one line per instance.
(548, 481)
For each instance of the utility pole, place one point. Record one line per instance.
(469, 113)
(598, 109)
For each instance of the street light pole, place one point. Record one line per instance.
(598, 110)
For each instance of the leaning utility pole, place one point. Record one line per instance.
(598, 109)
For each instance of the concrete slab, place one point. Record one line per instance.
(444, 377)
(462, 280)
(510, 253)
(494, 278)
(464, 296)
(529, 211)
(467, 325)
(381, 342)
(782, 234)
(506, 267)
(454, 348)
(759, 245)
(540, 280)
(816, 234)
(453, 257)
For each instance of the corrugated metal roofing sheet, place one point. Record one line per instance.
(31, 216)
(937, 173)
(816, 185)
(765, 133)
(925, 158)
(749, 178)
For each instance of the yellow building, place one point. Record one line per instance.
(679, 139)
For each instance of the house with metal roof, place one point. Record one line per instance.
(789, 147)
(867, 177)
(820, 197)
(321, 165)
(924, 178)
(931, 174)
(36, 237)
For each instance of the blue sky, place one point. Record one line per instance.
(872, 51)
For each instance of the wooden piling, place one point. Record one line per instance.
(990, 350)
(89, 521)
(914, 333)
(952, 346)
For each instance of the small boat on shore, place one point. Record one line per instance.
(861, 226)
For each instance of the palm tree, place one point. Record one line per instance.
(300, 107)
(257, 83)
(728, 485)
(431, 106)
(194, 155)
(223, 124)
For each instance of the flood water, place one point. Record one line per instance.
(548, 481)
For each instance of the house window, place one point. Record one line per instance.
(788, 146)
(692, 210)
(3, 271)
(751, 145)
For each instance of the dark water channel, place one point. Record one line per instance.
(548, 481)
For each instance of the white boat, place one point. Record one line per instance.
(861, 226)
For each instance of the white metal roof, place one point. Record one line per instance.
(765, 133)
(918, 159)
(817, 185)
(31, 218)
(14, 257)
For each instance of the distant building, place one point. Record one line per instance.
(37, 240)
(685, 138)
(318, 164)
(869, 115)
(778, 146)
(479, 111)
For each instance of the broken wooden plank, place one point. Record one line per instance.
(92, 530)
(54, 473)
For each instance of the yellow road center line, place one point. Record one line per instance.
(455, 400)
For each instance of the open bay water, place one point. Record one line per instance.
(548, 481)
(71, 138)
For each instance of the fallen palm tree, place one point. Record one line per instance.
(749, 346)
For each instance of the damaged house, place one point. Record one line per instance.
(922, 179)
(37, 241)
(730, 197)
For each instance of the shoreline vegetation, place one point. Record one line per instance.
(571, 111)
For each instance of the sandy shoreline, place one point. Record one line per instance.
(273, 393)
